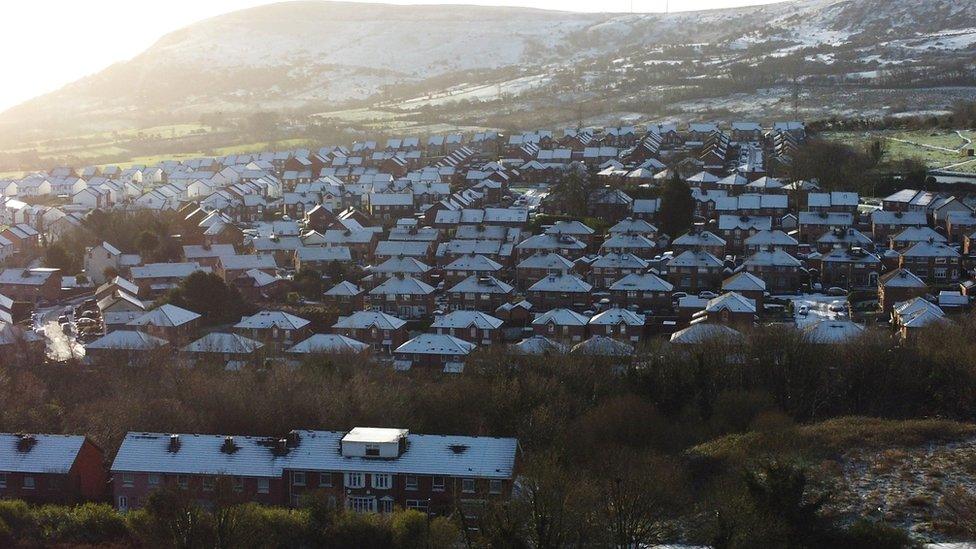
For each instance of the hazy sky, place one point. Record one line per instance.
(45, 44)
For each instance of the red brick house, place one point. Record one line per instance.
(437, 352)
(695, 271)
(479, 293)
(274, 327)
(345, 297)
(899, 286)
(562, 325)
(403, 296)
(644, 291)
(379, 330)
(31, 285)
(472, 326)
(362, 470)
(556, 291)
(62, 469)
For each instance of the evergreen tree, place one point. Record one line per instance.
(677, 206)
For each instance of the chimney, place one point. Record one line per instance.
(228, 447)
(174, 443)
(25, 443)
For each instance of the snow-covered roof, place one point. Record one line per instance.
(406, 285)
(561, 317)
(615, 316)
(539, 345)
(369, 319)
(436, 455)
(642, 282)
(436, 344)
(47, 453)
(482, 284)
(742, 282)
(219, 342)
(902, 278)
(165, 316)
(732, 302)
(561, 283)
(269, 319)
(128, 340)
(603, 346)
(467, 319)
(702, 331)
(832, 331)
(328, 343)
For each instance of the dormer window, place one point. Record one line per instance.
(372, 450)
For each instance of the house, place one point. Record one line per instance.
(124, 346)
(120, 308)
(23, 237)
(843, 239)
(564, 245)
(560, 291)
(538, 266)
(959, 224)
(275, 327)
(362, 470)
(479, 293)
(470, 265)
(934, 262)
(51, 469)
(401, 266)
(695, 270)
(813, 225)
(472, 326)
(155, 279)
(256, 284)
(229, 267)
(207, 256)
(345, 297)
(625, 243)
(403, 296)
(832, 331)
(771, 240)
(617, 323)
(381, 331)
(849, 268)
(730, 309)
(885, 223)
(916, 314)
(642, 291)
(32, 285)
(168, 322)
(320, 258)
(101, 259)
(778, 269)
(899, 286)
(563, 325)
(433, 351)
(748, 286)
(735, 229)
(231, 350)
(697, 239)
(912, 235)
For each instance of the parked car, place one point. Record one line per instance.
(803, 310)
(836, 291)
(707, 295)
(837, 308)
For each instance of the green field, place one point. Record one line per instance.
(915, 144)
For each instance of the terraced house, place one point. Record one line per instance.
(363, 470)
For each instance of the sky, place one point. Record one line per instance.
(49, 43)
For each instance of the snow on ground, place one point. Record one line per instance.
(481, 92)
(818, 306)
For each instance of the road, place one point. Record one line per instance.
(60, 346)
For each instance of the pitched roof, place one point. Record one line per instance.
(165, 316)
(328, 343)
(436, 344)
(218, 342)
(48, 454)
(732, 302)
(368, 319)
(466, 319)
(268, 319)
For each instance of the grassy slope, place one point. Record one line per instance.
(897, 150)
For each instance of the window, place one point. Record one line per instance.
(325, 479)
(208, 483)
(495, 487)
(298, 478)
(372, 450)
(123, 503)
(28, 482)
(467, 485)
(361, 505)
(155, 479)
(238, 484)
(382, 481)
(184, 481)
(354, 480)
(264, 486)
(437, 484)
(417, 505)
(128, 480)
(410, 482)
(386, 505)
(3, 480)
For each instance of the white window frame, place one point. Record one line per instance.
(238, 484)
(328, 480)
(128, 480)
(411, 482)
(355, 480)
(382, 481)
(264, 485)
(298, 478)
(3, 480)
(29, 483)
(183, 481)
(437, 484)
(468, 486)
(494, 486)
(207, 482)
(155, 479)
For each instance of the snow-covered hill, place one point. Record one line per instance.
(307, 55)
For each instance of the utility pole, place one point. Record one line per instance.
(667, 7)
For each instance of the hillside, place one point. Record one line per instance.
(317, 56)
